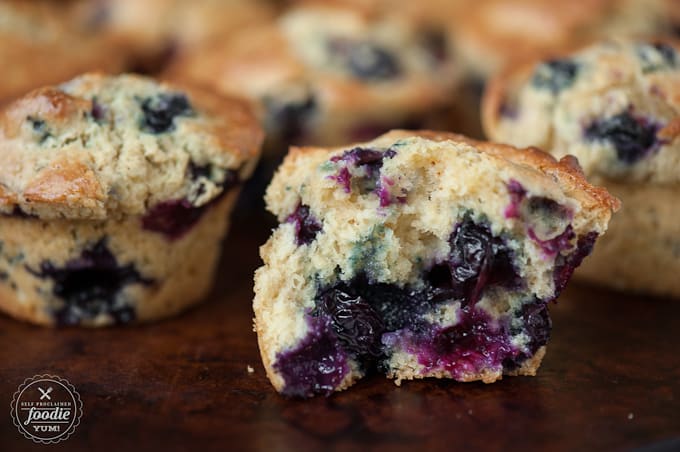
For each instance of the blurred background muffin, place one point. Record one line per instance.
(328, 73)
(40, 44)
(493, 33)
(156, 29)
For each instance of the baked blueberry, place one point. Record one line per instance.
(371, 62)
(289, 119)
(364, 165)
(555, 75)
(90, 285)
(656, 56)
(160, 112)
(306, 226)
(633, 138)
(479, 259)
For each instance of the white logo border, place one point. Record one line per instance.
(60, 381)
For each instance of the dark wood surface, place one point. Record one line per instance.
(610, 380)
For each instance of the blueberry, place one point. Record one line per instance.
(40, 128)
(555, 75)
(536, 324)
(667, 52)
(89, 285)
(565, 265)
(316, 366)
(289, 119)
(175, 217)
(197, 171)
(370, 160)
(633, 138)
(306, 225)
(657, 56)
(98, 112)
(356, 325)
(479, 259)
(160, 112)
(365, 60)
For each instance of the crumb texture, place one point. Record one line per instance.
(417, 255)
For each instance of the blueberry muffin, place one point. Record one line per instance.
(114, 197)
(493, 33)
(39, 46)
(326, 73)
(418, 254)
(155, 29)
(615, 105)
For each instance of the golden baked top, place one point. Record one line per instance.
(100, 146)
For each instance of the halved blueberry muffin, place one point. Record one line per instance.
(615, 106)
(114, 197)
(329, 73)
(418, 254)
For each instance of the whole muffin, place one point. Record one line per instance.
(493, 33)
(615, 105)
(115, 194)
(328, 73)
(418, 254)
(39, 45)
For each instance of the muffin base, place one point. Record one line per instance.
(173, 274)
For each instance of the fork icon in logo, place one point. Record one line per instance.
(45, 393)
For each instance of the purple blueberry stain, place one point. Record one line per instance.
(566, 264)
(364, 165)
(159, 112)
(633, 137)
(476, 342)
(549, 225)
(344, 179)
(90, 285)
(555, 75)
(517, 194)
(317, 365)
(306, 225)
(552, 247)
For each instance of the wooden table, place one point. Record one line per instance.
(610, 380)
